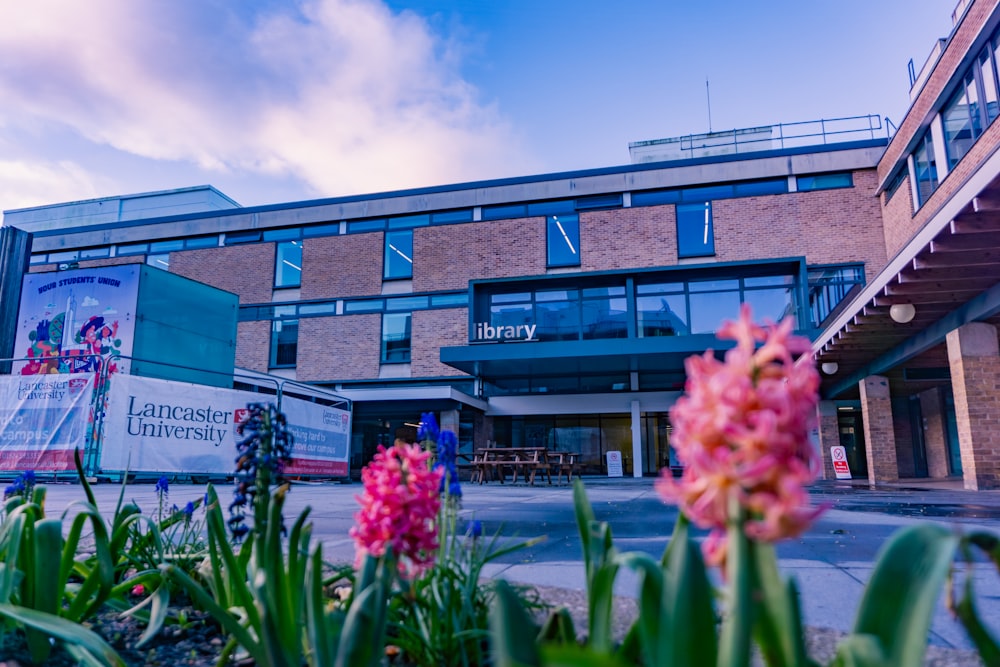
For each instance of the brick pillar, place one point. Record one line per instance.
(935, 438)
(975, 378)
(829, 435)
(880, 438)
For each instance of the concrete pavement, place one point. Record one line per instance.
(831, 562)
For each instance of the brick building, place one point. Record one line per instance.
(557, 309)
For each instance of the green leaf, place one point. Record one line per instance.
(862, 651)
(904, 587)
(363, 635)
(512, 630)
(321, 641)
(561, 655)
(734, 643)
(64, 630)
(688, 604)
(558, 628)
(968, 616)
(778, 618)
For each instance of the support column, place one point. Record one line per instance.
(935, 438)
(975, 378)
(829, 436)
(636, 440)
(880, 438)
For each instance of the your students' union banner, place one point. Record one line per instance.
(43, 418)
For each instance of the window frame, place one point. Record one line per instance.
(708, 245)
(565, 236)
(389, 261)
(284, 317)
(387, 356)
(280, 260)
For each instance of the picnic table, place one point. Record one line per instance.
(494, 463)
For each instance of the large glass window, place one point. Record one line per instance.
(829, 289)
(987, 73)
(288, 264)
(661, 310)
(284, 338)
(712, 303)
(563, 240)
(398, 254)
(844, 179)
(926, 168)
(605, 313)
(396, 338)
(962, 123)
(557, 313)
(695, 236)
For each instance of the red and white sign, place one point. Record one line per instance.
(840, 467)
(614, 458)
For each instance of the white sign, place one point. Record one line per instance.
(43, 418)
(486, 331)
(321, 435)
(162, 426)
(614, 458)
(840, 466)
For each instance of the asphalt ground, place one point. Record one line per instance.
(831, 562)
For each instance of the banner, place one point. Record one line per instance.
(163, 426)
(322, 438)
(43, 419)
(68, 320)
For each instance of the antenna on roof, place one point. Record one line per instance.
(708, 96)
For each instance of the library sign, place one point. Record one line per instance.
(484, 331)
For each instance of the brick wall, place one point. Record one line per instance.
(935, 438)
(339, 348)
(246, 270)
(876, 411)
(900, 227)
(975, 379)
(448, 257)
(253, 345)
(947, 66)
(432, 330)
(342, 266)
(827, 226)
(92, 263)
(628, 237)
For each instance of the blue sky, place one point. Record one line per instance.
(284, 100)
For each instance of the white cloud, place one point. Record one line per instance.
(342, 94)
(31, 183)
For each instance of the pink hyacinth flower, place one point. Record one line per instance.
(399, 509)
(742, 432)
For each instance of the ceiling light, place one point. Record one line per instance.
(829, 367)
(902, 312)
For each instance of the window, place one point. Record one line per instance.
(396, 338)
(961, 120)
(661, 309)
(288, 264)
(161, 261)
(892, 187)
(824, 181)
(284, 338)
(563, 240)
(398, 254)
(926, 168)
(695, 236)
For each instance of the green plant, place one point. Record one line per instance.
(442, 617)
(36, 563)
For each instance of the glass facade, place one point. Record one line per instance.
(962, 121)
(288, 264)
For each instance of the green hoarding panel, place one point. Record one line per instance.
(185, 330)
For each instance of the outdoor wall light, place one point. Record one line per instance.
(902, 312)
(829, 367)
